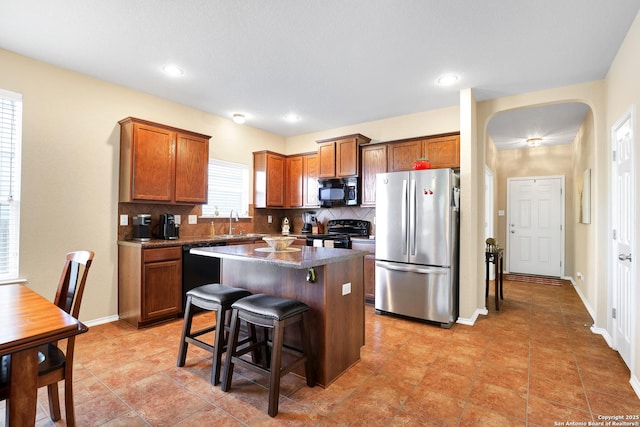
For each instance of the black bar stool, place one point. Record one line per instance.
(212, 297)
(274, 313)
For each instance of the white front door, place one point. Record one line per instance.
(623, 231)
(535, 225)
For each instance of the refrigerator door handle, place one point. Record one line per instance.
(405, 242)
(412, 217)
(412, 268)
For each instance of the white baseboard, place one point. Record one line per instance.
(635, 384)
(472, 320)
(101, 321)
(582, 297)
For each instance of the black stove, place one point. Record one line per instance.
(339, 233)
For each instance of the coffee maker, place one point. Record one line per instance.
(309, 222)
(169, 230)
(141, 230)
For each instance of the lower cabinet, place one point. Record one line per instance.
(149, 284)
(369, 277)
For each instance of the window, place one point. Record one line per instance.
(10, 143)
(228, 189)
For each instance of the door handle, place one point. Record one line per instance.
(623, 257)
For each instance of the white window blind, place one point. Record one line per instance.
(228, 189)
(10, 144)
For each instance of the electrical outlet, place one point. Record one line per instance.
(269, 219)
(177, 219)
(124, 220)
(346, 288)
(579, 275)
(193, 219)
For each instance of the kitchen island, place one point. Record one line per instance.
(328, 280)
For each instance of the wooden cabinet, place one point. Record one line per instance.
(369, 276)
(441, 151)
(268, 179)
(374, 161)
(310, 180)
(149, 284)
(294, 182)
(162, 164)
(340, 157)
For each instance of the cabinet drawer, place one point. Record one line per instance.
(162, 254)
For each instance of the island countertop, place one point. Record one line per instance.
(298, 257)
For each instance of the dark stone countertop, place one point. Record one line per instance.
(305, 257)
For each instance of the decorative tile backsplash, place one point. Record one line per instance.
(258, 223)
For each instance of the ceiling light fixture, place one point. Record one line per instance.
(172, 70)
(239, 118)
(448, 79)
(292, 118)
(534, 142)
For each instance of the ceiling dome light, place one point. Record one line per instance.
(172, 70)
(239, 118)
(448, 79)
(534, 142)
(292, 118)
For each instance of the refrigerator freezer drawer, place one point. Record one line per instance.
(422, 292)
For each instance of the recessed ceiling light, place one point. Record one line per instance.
(172, 70)
(447, 79)
(292, 118)
(534, 142)
(239, 118)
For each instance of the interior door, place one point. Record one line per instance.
(535, 226)
(622, 235)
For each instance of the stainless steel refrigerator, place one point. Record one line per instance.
(417, 234)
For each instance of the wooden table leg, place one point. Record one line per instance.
(486, 282)
(23, 389)
(496, 280)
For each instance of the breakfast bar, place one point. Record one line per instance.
(328, 280)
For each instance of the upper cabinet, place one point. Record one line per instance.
(281, 181)
(162, 164)
(340, 157)
(441, 151)
(268, 179)
(374, 161)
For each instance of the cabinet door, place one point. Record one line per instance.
(374, 161)
(310, 177)
(293, 193)
(443, 152)
(327, 160)
(275, 181)
(152, 164)
(161, 289)
(369, 278)
(192, 163)
(403, 154)
(346, 158)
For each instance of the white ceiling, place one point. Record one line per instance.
(332, 62)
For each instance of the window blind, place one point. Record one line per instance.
(10, 144)
(228, 188)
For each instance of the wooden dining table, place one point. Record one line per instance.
(28, 320)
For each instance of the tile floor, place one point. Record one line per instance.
(534, 363)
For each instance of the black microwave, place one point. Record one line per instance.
(338, 192)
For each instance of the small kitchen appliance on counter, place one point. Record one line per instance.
(168, 228)
(309, 222)
(141, 230)
(339, 233)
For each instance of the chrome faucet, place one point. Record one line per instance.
(230, 218)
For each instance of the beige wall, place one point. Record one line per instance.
(70, 168)
(539, 161)
(623, 90)
(431, 122)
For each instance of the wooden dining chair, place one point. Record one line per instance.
(57, 365)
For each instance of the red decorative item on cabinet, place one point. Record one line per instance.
(421, 164)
